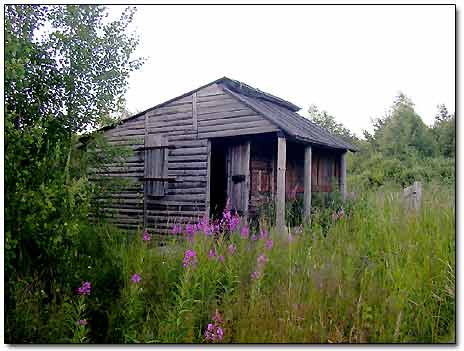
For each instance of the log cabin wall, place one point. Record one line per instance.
(124, 207)
(187, 124)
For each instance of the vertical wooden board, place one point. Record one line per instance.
(194, 113)
(281, 170)
(307, 183)
(208, 181)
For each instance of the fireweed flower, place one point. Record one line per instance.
(190, 229)
(221, 258)
(232, 248)
(212, 253)
(254, 237)
(190, 259)
(263, 234)
(135, 278)
(269, 244)
(214, 331)
(176, 229)
(255, 275)
(262, 260)
(233, 223)
(85, 289)
(81, 322)
(290, 238)
(146, 236)
(245, 232)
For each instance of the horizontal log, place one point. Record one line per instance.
(183, 158)
(230, 106)
(241, 112)
(225, 100)
(232, 126)
(210, 90)
(189, 172)
(212, 97)
(187, 165)
(228, 133)
(182, 151)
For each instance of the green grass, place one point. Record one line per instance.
(380, 274)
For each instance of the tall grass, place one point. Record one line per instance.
(378, 273)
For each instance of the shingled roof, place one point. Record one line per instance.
(277, 110)
(283, 114)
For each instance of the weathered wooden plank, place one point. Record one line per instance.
(210, 90)
(280, 196)
(231, 120)
(231, 106)
(188, 151)
(194, 112)
(232, 126)
(188, 143)
(183, 158)
(208, 182)
(225, 100)
(212, 97)
(246, 169)
(307, 183)
(227, 133)
(342, 178)
(245, 111)
(187, 165)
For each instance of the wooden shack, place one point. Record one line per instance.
(224, 140)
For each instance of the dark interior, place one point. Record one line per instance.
(218, 185)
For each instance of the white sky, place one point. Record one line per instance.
(348, 60)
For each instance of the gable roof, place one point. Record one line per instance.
(280, 112)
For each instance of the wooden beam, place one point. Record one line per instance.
(246, 170)
(342, 182)
(280, 195)
(208, 181)
(145, 190)
(307, 183)
(194, 112)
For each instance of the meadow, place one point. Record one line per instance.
(364, 271)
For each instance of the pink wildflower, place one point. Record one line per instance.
(254, 237)
(262, 259)
(81, 322)
(135, 278)
(176, 229)
(221, 258)
(245, 232)
(190, 229)
(290, 238)
(233, 223)
(85, 289)
(217, 318)
(190, 258)
(263, 234)
(146, 236)
(212, 253)
(214, 331)
(255, 275)
(269, 244)
(232, 248)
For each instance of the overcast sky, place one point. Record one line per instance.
(349, 60)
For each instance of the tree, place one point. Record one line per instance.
(66, 70)
(328, 122)
(444, 130)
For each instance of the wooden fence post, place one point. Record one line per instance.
(281, 168)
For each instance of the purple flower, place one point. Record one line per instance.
(263, 234)
(146, 236)
(135, 278)
(262, 259)
(233, 223)
(212, 253)
(232, 248)
(214, 331)
(221, 258)
(81, 322)
(254, 237)
(190, 258)
(84, 289)
(269, 244)
(176, 229)
(290, 238)
(219, 333)
(255, 275)
(190, 229)
(245, 232)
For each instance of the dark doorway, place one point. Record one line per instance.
(218, 178)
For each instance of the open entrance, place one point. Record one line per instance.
(218, 178)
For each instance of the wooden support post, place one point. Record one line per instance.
(280, 196)
(307, 183)
(342, 182)
(145, 190)
(208, 181)
(194, 114)
(246, 171)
